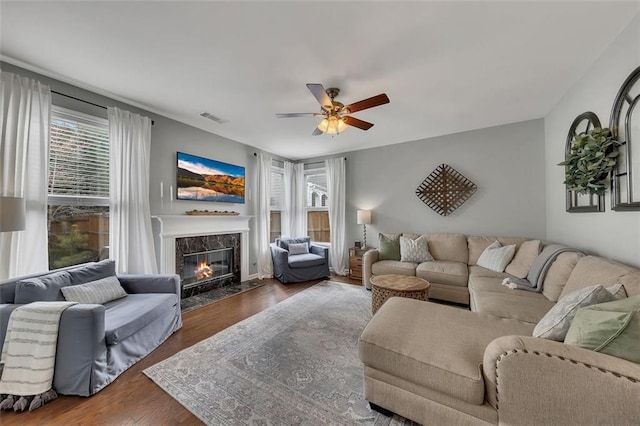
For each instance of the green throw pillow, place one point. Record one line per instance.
(612, 328)
(389, 246)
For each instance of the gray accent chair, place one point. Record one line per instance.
(97, 343)
(288, 268)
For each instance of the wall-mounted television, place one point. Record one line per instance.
(202, 179)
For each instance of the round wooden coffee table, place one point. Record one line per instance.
(385, 286)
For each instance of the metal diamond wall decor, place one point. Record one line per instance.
(444, 190)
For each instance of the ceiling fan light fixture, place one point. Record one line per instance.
(332, 125)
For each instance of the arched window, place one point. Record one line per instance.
(582, 203)
(625, 123)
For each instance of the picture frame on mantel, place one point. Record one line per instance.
(582, 203)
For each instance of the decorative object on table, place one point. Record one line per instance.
(590, 162)
(445, 190)
(12, 214)
(385, 287)
(316, 379)
(364, 219)
(575, 202)
(202, 179)
(357, 244)
(211, 213)
(624, 196)
(336, 114)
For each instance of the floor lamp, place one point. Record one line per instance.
(364, 219)
(12, 214)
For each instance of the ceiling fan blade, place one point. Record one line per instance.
(297, 114)
(360, 124)
(318, 91)
(316, 132)
(374, 101)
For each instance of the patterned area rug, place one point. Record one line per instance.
(295, 363)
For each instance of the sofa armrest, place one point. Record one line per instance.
(155, 283)
(368, 259)
(538, 381)
(5, 313)
(320, 251)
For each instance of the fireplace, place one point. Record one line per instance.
(206, 262)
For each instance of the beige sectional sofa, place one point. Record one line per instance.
(438, 364)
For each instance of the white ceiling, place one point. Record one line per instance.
(446, 66)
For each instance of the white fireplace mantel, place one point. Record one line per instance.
(166, 228)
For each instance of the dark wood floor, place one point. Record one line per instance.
(133, 399)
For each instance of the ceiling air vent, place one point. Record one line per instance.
(213, 118)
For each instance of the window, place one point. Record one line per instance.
(317, 206)
(78, 193)
(275, 203)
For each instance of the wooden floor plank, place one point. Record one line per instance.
(133, 399)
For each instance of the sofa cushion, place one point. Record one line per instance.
(631, 283)
(592, 270)
(305, 260)
(414, 249)
(124, 317)
(476, 245)
(389, 246)
(527, 308)
(478, 284)
(496, 257)
(386, 267)
(523, 259)
(555, 324)
(416, 341)
(443, 272)
(95, 292)
(450, 247)
(45, 288)
(559, 273)
(479, 271)
(92, 271)
(284, 242)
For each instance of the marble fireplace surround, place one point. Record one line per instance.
(166, 228)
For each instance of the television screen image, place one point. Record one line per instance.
(202, 179)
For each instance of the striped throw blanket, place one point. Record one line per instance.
(29, 354)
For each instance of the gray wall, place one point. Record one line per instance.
(611, 234)
(167, 137)
(505, 162)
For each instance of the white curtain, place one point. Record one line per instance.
(130, 234)
(300, 201)
(336, 186)
(25, 108)
(288, 218)
(265, 267)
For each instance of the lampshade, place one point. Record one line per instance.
(332, 125)
(364, 217)
(12, 213)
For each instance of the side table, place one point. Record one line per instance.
(386, 286)
(355, 262)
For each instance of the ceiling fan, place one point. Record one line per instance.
(336, 114)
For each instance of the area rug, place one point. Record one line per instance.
(202, 299)
(295, 363)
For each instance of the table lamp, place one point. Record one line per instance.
(364, 219)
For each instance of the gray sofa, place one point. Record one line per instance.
(438, 364)
(97, 343)
(289, 268)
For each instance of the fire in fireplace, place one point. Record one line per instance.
(206, 266)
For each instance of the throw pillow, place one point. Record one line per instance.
(524, 258)
(302, 248)
(555, 324)
(388, 246)
(612, 328)
(495, 257)
(618, 291)
(100, 291)
(92, 271)
(415, 250)
(45, 288)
